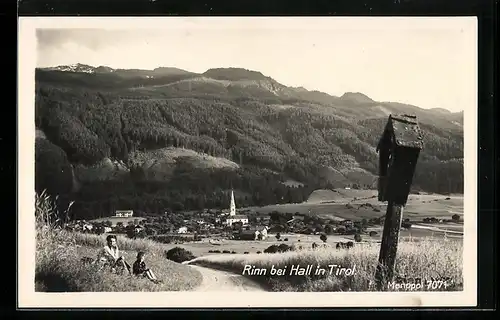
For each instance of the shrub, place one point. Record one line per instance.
(179, 255)
(246, 252)
(259, 252)
(286, 239)
(271, 249)
(455, 217)
(233, 252)
(226, 251)
(357, 237)
(406, 225)
(216, 251)
(278, 236)
(284, 248)
(373, 233)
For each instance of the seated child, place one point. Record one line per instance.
(139, 268)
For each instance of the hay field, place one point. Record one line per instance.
(425, 259)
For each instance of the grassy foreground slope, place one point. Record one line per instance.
(423, 259)
(59, 267)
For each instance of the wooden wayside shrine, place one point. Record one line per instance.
(398, 148)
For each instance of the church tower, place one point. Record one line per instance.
(232, 208)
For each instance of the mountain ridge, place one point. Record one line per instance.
(254, 75)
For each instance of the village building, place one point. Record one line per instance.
(233, 217)
(237, 218)
(182, 230)
(124, 213)
(258, 233)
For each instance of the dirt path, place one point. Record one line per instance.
(217, 280)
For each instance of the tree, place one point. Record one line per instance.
(455, 217)
(323, 237)
(329, 229)
(237, 225)
(278, 236)
(108, 223)
(341, 230)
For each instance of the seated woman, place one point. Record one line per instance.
(139, 268)
(111, 256)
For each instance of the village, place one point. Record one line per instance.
(217, 225)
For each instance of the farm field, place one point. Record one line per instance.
(340, 204)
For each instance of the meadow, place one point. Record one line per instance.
(59, 267)
(340, 204)
(425, 259)
(204, 246)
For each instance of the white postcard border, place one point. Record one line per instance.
(28, 298)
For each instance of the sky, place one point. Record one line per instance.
(428, 62)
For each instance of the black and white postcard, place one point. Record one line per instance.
(247, 162)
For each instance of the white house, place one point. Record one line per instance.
(182, 230)
(124, 213)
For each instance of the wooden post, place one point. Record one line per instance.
(389, 246)
(399, 148)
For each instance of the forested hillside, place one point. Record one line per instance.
(120, 139)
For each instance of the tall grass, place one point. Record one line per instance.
(425, 259)
(59, 253)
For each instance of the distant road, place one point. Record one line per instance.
(417, 226)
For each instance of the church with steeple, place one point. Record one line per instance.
(233, 217)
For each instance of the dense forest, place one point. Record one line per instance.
(269, 133)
